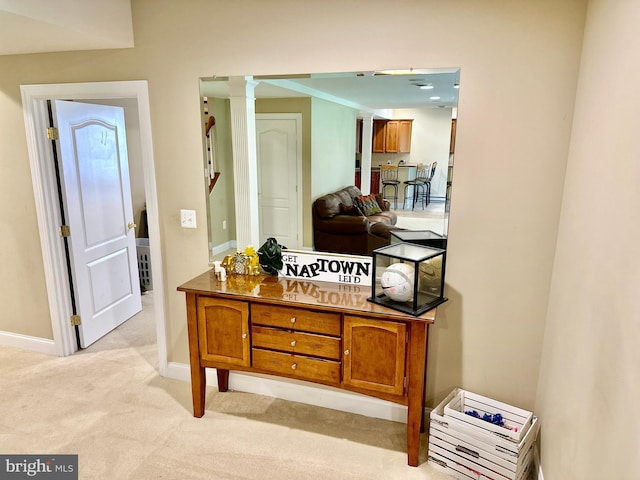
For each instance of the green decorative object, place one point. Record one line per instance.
(270, 256)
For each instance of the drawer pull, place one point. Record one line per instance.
(294, 366)
(244, 335)
(293, 319)
(293, 343)
(346, 352)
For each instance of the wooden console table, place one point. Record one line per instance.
(320, 332)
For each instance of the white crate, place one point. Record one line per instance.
(517, 421)
(144, 262)
(477, 459)
(475, 451)
(440, 460)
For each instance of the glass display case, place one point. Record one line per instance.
(419, 237)
(408, 277)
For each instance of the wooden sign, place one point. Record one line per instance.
(327, 267)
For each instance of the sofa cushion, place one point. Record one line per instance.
(328, 206)
(349, 210)
(385, 217)
(368, 204)
(382, 229)
(384, 205)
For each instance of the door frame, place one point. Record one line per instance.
(298, 119)
(34, 105)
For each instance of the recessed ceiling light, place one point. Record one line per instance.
(426, 87)
(434, 98)
(456, 85)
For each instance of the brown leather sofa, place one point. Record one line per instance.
(336, 231)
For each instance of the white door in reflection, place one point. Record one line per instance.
(95, 173)
(279, 146)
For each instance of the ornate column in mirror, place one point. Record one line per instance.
(245, 164)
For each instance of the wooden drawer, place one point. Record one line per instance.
(296, 319)
(297, 366)
(295, 342)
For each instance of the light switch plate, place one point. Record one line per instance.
(188, 218)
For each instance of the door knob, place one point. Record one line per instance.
(131, 225)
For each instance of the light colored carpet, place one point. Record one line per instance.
(109, 405)
(431, 218)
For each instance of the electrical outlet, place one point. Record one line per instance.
(224, 224)
(188, 218)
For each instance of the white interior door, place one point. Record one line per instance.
(95, 176)
(279, 145)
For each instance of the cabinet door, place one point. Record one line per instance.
(452, 142)
(375, 182)
(374, 354)
(404, 136)
(379, 134)
(223, 331)
(392, 136)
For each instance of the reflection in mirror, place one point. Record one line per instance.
(293, 163)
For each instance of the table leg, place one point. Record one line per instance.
(198, 378)
(223, 380)
(415, 379)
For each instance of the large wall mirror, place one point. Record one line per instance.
(315, 134)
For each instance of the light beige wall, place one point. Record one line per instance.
(519, 62)
(333, 147)
(25, 308)
(589, 375)
(430, 138)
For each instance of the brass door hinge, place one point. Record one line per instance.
(52, 133)
(75, 320)
(65, 231)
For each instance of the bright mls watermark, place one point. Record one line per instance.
(51, 467)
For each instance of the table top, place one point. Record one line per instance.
(407, 235)
(279, 290)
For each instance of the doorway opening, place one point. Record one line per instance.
(34, 99)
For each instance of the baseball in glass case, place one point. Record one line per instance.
(408, 277)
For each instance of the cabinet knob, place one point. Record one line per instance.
(293, 319)
(244, 335)
(294, 366)
(346, 352)
(293, 343)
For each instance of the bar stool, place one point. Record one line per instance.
(389, 178)
(418, 185)
(427, 183)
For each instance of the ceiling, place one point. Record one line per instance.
(38, 26)
(365, 91)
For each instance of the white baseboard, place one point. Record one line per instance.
(301, 392)
(218, 249)
(26, 342)
(536, 461)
